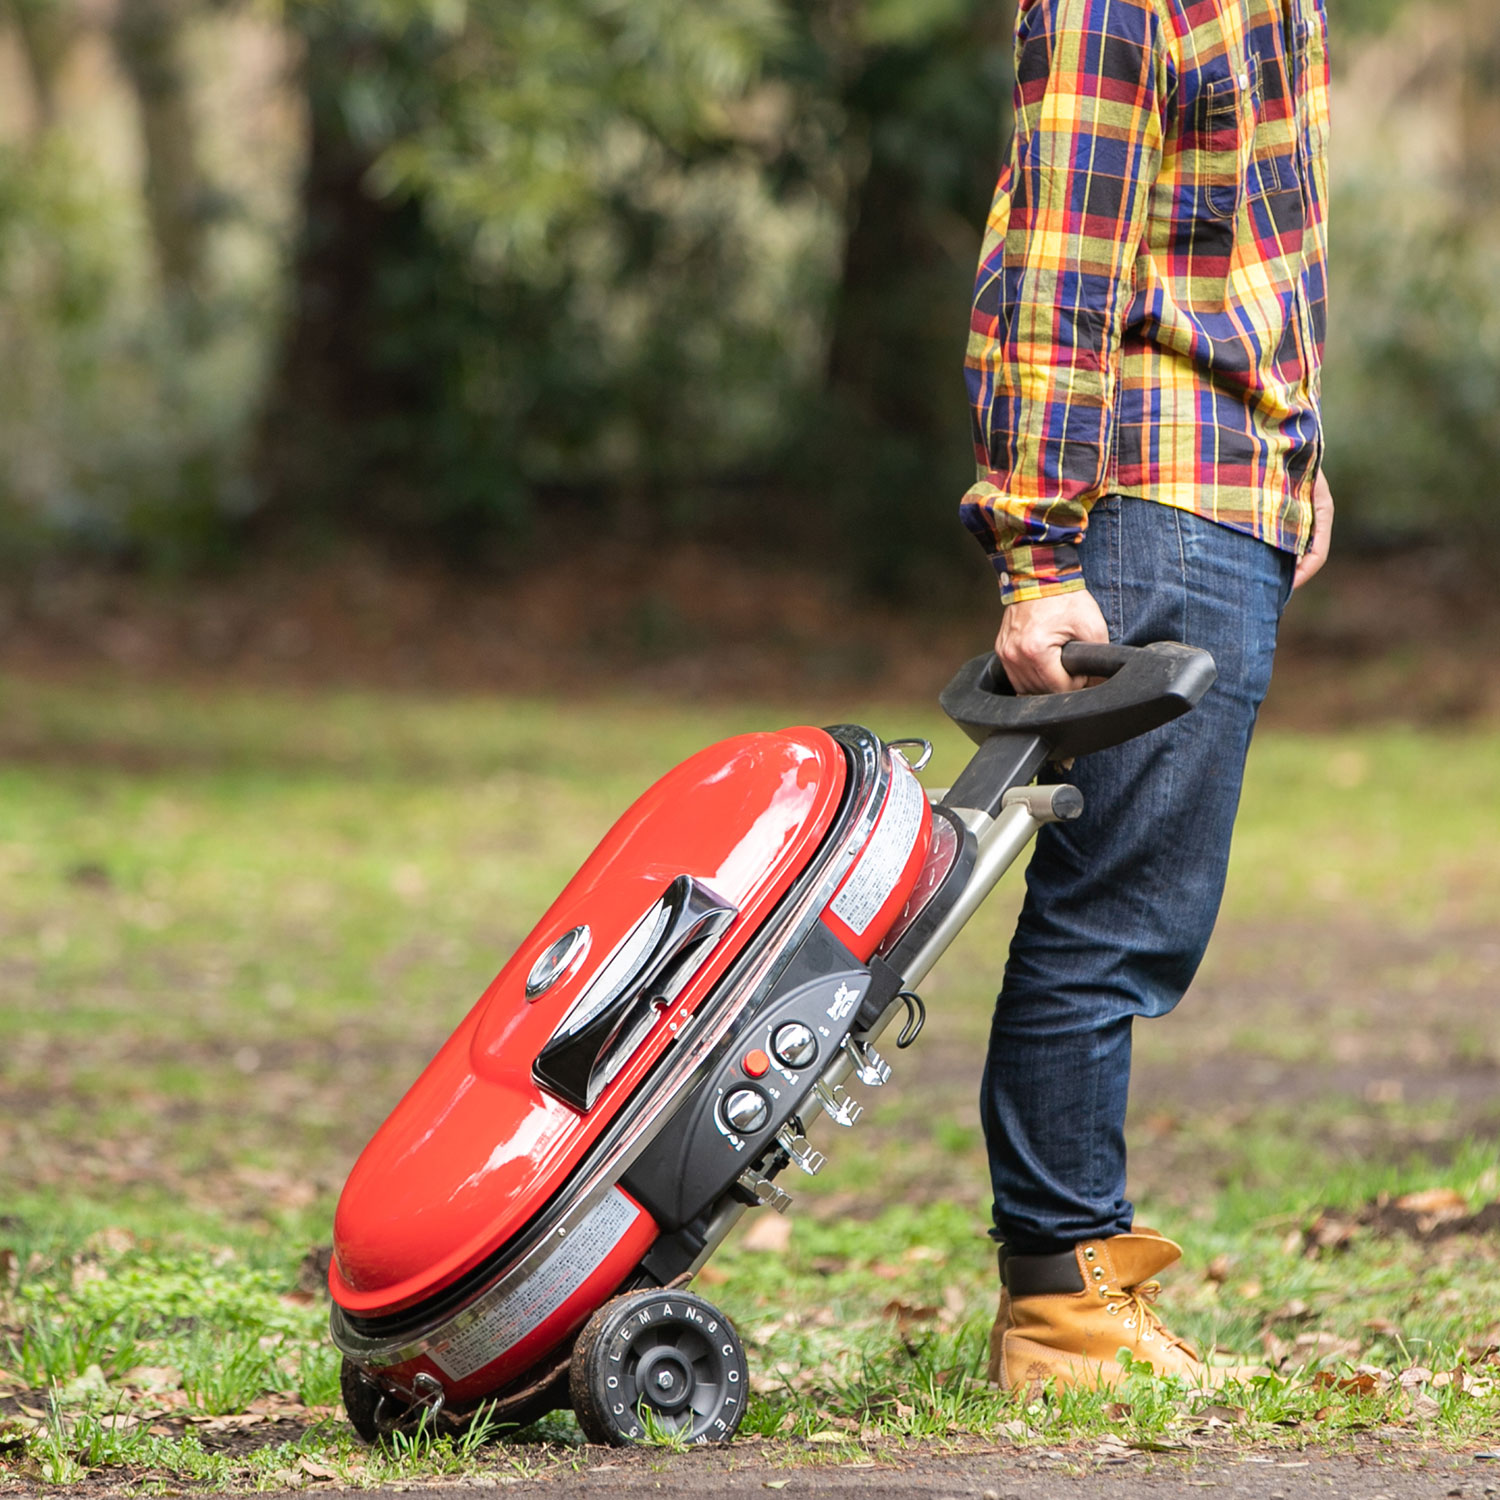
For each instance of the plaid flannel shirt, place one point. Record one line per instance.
(1150, 307)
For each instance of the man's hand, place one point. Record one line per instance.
(1317, 549)
(1033, 634)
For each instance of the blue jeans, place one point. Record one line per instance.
(1120, 903)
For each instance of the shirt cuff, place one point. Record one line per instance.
(1027, 573)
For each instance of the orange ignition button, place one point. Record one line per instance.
(755, 1063)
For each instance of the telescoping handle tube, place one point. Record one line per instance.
(1143, 688)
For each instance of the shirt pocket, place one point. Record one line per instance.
(1219, 133)
(1273, 166)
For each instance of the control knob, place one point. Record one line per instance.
(746, 1110)
(794, 1044)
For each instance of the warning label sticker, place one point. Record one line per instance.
(878, 868)
(537, 1295)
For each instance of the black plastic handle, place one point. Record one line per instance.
(1095, 658)
(1144, 687)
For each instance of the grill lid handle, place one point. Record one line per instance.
(645, 973)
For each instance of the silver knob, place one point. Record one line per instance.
(746, 1110)
(795, 1044)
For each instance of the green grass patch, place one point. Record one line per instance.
(233, 926)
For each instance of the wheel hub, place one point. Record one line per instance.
(664, 1379)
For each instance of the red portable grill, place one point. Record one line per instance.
(519, 1234)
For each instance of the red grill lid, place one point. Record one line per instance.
(476, 1147)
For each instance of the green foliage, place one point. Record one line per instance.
(687, 264)
(121, 421)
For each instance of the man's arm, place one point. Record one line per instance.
(1055, 279)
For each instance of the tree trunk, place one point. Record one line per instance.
(896, 418)
(326, 392)
(148, 40)
(45, 32)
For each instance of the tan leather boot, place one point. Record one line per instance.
(1065, 1317)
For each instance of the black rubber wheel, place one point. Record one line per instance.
(667, 1360)
(361, 1397)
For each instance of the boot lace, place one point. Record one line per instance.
(1142, 1316)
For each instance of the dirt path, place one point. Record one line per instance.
(686, 620)
(994, 1474)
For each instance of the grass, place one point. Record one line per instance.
(234, 925)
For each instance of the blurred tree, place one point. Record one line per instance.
(532, 236)
(923, 115)
(45, 30)
(477, 181)
(664, 264)
(149, 43)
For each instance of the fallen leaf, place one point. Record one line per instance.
(1423, 1405)
(770, 1233)
(315, 1469)
(1117, 1411)
(1383, 1327)
(1320, 1345)
(1443, 1203)
(923, 1253)
(1415, 1376)
(1329, 1233)
(1229, 1415)
(114, 1240)
(824, 1437)
(712, 1275)
(775, 1484)
(1218, 1269)
(1353, 1385)
(908, 1315)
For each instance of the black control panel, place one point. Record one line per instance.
(730, 1120)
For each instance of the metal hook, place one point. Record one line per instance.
(921, 761)
(916, 1019)
(425, 1403)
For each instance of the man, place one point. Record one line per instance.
(1143, 365)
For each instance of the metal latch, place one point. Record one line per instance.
(794, 1143)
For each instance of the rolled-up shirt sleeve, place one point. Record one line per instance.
(1055, 280)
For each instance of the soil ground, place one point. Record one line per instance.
(999, 1474)
(690, 620)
